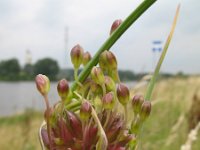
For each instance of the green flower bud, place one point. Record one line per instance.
(137, 102)
(110, 84)
(85, 110)
(123, 94)
(107, 61)
(42, 83)
(97, 75)
(108, 100)
(86, 58)
(77, 56)
(63, 88)
(96, 89)
(115, 25)
(145, 110)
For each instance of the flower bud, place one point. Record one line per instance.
(96, 89)
(85, 110)
(115, 25)
(145, 110)
(123, 94)
(108, 100)
(42, 83)
(77, 56)
(107, 61)
(109, 83)
(63, 88)
(97, 75)
(137, 102)
(86, 58)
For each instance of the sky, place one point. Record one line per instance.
(50, 28)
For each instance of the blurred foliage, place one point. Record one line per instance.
(46, 66)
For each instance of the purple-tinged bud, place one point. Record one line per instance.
(85, 110)
(145, 110)
(42, 83)
(115, 25)
(107, 61)
(86, 58)
(77, 56)
(137, 102)
(75, 124)
(108, 101)
(110, 84)
(97, 75)
(123, 94)
(63, 88)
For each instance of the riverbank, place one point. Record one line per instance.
(166, 129)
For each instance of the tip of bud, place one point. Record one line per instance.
(63, 88)
(115, 25)
(123, 93)
(77, 56)
(42, 84)
(145, 110)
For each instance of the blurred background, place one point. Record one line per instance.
(36, 36)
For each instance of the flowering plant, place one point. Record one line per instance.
(94, 112)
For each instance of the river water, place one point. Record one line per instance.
(15, 97)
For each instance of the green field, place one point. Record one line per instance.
(166, 128)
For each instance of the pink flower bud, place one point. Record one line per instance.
(42, 83)
(77, 56)
(108, 100)
(123, 94)
(86, 58)
(85, 110)
(115, 25)
(97, 75)
(145, 110)
(137, 102)
(63, 88)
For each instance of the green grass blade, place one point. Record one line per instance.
(157, 69)
(113, 38)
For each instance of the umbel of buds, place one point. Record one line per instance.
(89, 117)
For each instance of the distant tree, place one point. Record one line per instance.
(9, 69)
(48, 67)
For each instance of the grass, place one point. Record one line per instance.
(172, 99)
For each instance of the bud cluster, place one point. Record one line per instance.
(90, 117)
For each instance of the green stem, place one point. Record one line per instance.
(157, 69)
(113, 38)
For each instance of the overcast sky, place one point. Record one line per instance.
(42, 26)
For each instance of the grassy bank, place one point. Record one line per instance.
(166, 129)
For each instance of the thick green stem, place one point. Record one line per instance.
(113, 38)
(157, 69)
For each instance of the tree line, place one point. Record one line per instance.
(10, 70)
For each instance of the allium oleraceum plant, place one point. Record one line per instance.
(92, 114)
